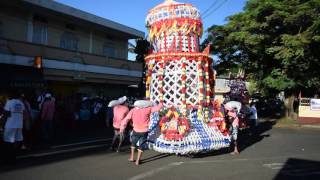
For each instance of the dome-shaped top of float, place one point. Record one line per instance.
(172, 10)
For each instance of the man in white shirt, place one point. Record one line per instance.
(253, 118)
(40, 99)
(13, 127)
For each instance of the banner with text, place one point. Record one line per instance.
(315, 104)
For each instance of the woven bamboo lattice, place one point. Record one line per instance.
(172, 86)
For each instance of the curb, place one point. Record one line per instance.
(297, 126)
(280, 125)
(311, 126)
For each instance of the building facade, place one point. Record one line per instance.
(45, 44)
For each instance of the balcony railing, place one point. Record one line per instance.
(55, 53)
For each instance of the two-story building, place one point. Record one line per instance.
(46, 44)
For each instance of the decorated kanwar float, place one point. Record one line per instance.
(181, 77)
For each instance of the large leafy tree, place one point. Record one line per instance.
(277, 43)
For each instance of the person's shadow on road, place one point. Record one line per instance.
(247, 138)
(155, 157)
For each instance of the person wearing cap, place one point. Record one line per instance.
(140, 116)
(119, 112)
(47, 115)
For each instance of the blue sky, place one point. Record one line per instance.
(132, 13)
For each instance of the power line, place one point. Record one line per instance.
(211, 6)
(215, 9)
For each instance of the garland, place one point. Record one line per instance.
(207, 83)
(212, 79)
(172, 126)
(190, 56)
(184, 89)
(171, 26)
(148, 79)
(218, 121)
(201, 90)
(160, 73)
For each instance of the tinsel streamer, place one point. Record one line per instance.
(207, 84)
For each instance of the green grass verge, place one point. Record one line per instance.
(287, 122)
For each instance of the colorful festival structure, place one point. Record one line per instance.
(182, 78)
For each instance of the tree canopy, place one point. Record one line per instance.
(276, 42)
(141, 49)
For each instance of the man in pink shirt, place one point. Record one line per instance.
(140, 117)
(47, 115)
(119, 112)
(232, 115)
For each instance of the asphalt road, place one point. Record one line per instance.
(276, 154)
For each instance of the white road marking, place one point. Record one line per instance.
(60, 152)
(215, 161)
(80, 143)
(155, 171)
(274, 165)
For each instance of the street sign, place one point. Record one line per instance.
(315, 104)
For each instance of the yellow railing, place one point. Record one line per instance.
(304, 102)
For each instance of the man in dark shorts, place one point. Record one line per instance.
(119, 112)
(140, 117)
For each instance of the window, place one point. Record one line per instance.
(40, 30)
(40, 33)
(109, 50)
(69, 41)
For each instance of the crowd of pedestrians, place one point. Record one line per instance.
(18, 122)
(33, 122)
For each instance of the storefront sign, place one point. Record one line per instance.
(315, 104)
